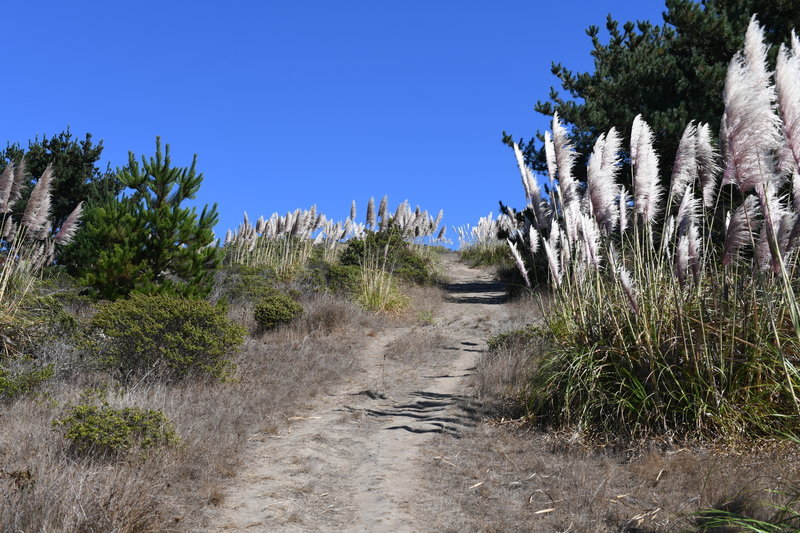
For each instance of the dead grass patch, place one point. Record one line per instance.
(45, 488)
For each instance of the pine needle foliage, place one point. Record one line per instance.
(147, 241)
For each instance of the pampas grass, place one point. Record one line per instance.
(673, 324)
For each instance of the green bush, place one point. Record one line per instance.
(23, 381)
(342, 279)
(167, 335)
(276, 309)
(399, 255)
(104, 430)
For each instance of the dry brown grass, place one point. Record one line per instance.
(508, 478)
(278, 372)
(506, 475)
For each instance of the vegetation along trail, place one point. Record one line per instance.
(352, 461)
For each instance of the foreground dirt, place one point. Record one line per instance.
(357, 458)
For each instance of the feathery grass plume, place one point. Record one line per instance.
(646, 188)
(6, 182)
(682, 259)
(532, 191)
(552, 262)
(591, 241)
(752, 129)
(371, 214)
(533, 237)
(623, 209)
(601, 188)
(520, 263)
(550, 157)
(684, 170)
(17, 184)
(353, 211)
(695, 249)
(70, 226)
(774, 211)
(743, 225)
(382, 212)
(669, 230)
(261, 225)
(787, 85)
(707, 166)
(565, 159)
(687, 211)
(38, 209)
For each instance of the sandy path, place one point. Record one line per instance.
(352, 462)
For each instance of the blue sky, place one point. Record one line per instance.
(289, 104)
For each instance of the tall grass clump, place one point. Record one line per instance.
(285, 244)
(482, 244)
(27, 245)
(674, 311)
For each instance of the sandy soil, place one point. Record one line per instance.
(354, 460)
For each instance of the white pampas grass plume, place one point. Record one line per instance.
(6, 182)
(601, 188)
(550, 157)
(519, 262)
(38, 209)
(532, 191)
(742, 227)
(752, 130)
(591, 241)
(787, 85)
(646, 188)
(552, 262)
(382, 212)
(685, 171)
(694, 250)
(17, 184)
(353, 211)
(623, 209)
(70, 226)
(371, 214)
(533, 237)
(565, 159)
(682, 258)
(669, 230)
(707, 164)
(687, 211)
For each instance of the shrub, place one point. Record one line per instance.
(103, 430)
(276, 309)
(342, 279)
(167, 335)
(22, 381)
(398, 255)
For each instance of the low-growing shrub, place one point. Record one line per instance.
(103, 430)
(342, 279)
(275, 309)
(14, 383)
(168, 336)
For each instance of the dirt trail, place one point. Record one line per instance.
(352, 461)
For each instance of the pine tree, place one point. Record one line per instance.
(670, 73)
(145, 241)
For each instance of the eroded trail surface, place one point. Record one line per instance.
(352, 462)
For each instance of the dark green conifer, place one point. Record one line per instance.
(146, 241)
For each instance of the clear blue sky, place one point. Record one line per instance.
(289, 104)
